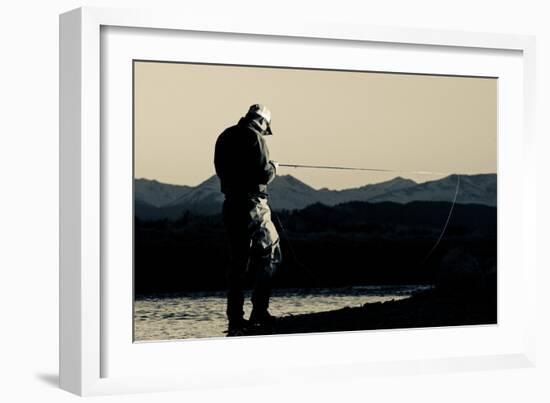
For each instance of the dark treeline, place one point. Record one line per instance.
(350, 244)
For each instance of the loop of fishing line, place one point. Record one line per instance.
(442, 233)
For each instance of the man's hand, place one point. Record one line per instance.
(275, 165)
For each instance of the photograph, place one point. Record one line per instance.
(276, 200)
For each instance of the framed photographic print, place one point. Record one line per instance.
(234, 195)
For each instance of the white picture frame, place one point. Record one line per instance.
(96, 355)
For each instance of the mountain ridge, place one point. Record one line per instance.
(289, 193)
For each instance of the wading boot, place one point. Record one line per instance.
(237, 327)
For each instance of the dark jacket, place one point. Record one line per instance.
(242, 161)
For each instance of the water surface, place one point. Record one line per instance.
(202, 314)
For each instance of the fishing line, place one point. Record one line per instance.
(446, 223)
(293, 252)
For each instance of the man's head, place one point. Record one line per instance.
(262, 116)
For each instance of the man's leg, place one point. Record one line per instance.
(262, 283)
(264, 264)
(236, 279)
(239, 245)
(264, 260)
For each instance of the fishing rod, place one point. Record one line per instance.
(361, 169)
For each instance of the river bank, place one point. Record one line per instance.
(430, 308)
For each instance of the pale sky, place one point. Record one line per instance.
(355, 119)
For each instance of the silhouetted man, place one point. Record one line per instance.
(244, 168)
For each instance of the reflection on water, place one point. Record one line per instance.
(201, 314)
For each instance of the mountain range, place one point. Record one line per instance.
(157, 200)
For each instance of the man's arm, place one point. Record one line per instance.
(264, 169)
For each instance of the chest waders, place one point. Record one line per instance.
(255, 252)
